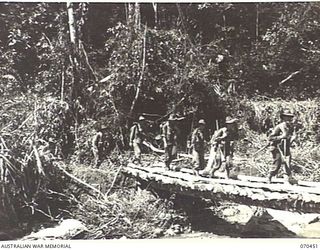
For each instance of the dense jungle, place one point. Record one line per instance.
(67, 69)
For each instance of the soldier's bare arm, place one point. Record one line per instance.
(274, 136)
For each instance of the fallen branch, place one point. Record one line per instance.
(147, 114)
(78, 180)
(24, 122)
(3, 142)
(158, 150)
(48, 40)
(114, 181)
(63, 195)
(153, 148)
(289, 77)
(107, 78)
(45, 214)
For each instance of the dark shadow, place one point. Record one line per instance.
(264, 226)
(204, 219)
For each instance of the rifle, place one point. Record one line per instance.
(158, 150)
(153, 148)
(261, 149)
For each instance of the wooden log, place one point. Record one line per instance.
(267, 186)
(278, 196)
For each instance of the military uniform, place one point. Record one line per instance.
(280, 139)
(170, 136)
(222, 149)
(197, 142)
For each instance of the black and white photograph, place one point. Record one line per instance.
(153, 120)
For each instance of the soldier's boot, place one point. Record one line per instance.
(167, 165)
(227, 168)
(227, 173)
(213, 170)
(286, 179)
(175, 168)
(290, 180)
(195, 172)
(269, 178)
(293, 181)
(205, 172)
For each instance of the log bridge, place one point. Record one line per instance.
(248, 190)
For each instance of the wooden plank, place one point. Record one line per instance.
(240, 177)
(258, 199)
(248, 178)
(273, 186)
(276, 180)
(252, 193)
(227, 188)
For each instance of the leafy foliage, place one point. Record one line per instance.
(205, 60)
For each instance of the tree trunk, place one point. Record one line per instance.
(181, 16)
(141, 73)
(257, 22)
(155, 8)
(75, 82)
(72, 26)
(126, 11)
(130, 14)
(137, 16)
(74, 92)
(82, 20)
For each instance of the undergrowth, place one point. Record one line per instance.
(125, 210)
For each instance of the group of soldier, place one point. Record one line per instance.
(222, 145)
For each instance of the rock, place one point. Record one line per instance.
(301, 224)
(67, 229)
(158, 232)
(264, 225)
(314, 220)
(236, 214)
(229, 212)
(310, 230)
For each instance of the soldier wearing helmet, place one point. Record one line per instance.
(280, 139)
(222, 148)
